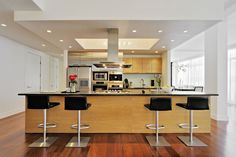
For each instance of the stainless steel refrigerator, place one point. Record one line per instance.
(84, 79)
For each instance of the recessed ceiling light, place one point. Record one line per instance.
(49, 31)
(43, 45)
(70, 47)
(134, 31)
(172, 40)
(156, 51)
(61, 40)
(185, 31)
(160, 31)
(132, 51)
(163, 47)
(3, 25)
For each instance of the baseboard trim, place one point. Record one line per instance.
(11, 112)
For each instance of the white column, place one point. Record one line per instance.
(65, 65)
(166, 69)
(216, 69)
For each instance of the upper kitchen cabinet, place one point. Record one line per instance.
(147, 65)
(143, 65)
(128, 61)
(137, 65)
(156, 65)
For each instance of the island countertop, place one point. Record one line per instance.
(124, 93)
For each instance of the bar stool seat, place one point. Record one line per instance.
(157, 104)
(193, 103)
(41, 102)
(77, 104)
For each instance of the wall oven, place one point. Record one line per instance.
(99, 86)
(100, 75)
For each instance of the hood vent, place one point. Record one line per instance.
(113, 50)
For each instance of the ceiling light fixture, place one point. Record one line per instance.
(70, 47)
(185, 31)
(163, 47)
(3, 25)
(61, 40)
(134, 31)
(160, 31)
(43, 45)
(172, 40)
(49, 31)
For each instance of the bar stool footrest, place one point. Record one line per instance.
(186, 126)
(82, 126)
(153, 126)
(48, 125)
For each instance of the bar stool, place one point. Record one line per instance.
(77, 103)
(157, 104)
(41, 102)
(193, 103)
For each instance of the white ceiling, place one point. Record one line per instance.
(33, 33)
(6, 5)
(69, 30)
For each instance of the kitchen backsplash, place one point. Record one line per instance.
(136, 79)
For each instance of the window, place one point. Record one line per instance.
(232, 76)
(188, 73)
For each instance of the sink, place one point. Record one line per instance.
(70, 92)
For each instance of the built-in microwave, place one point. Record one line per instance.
(115, 77)
(100, 76)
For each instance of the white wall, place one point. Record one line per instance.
(12, 78)
(231, 28)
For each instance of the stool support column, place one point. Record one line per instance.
(190, 126)
(157, 119)
(78, 128)
(44, 125)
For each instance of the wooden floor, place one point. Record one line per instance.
(14, 143)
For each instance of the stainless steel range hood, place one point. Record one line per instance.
(113, 50)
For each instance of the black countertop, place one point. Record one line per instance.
(129, 93)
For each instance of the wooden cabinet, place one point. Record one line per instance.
(137, 65)
(128, 61)
(143, 65)
(156, 65)
(147, 65)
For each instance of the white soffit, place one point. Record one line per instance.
(124, 44)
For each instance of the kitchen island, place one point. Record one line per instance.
(113, 112)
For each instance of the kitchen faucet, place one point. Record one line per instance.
(142, 82)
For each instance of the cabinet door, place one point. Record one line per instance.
(156, 65)
(127, 61)
(147, 65)
(137, 65)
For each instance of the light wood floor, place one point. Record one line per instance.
(14, 143)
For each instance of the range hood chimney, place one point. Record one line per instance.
(113, 51)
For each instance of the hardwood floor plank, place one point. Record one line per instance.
(14, 143)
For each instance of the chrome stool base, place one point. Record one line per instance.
(74, 142)
(195, 142)
(40, 143)
(161, 141)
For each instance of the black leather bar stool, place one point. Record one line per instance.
(41, 102)
(158, 104)
(193, 103)
(77, 103)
